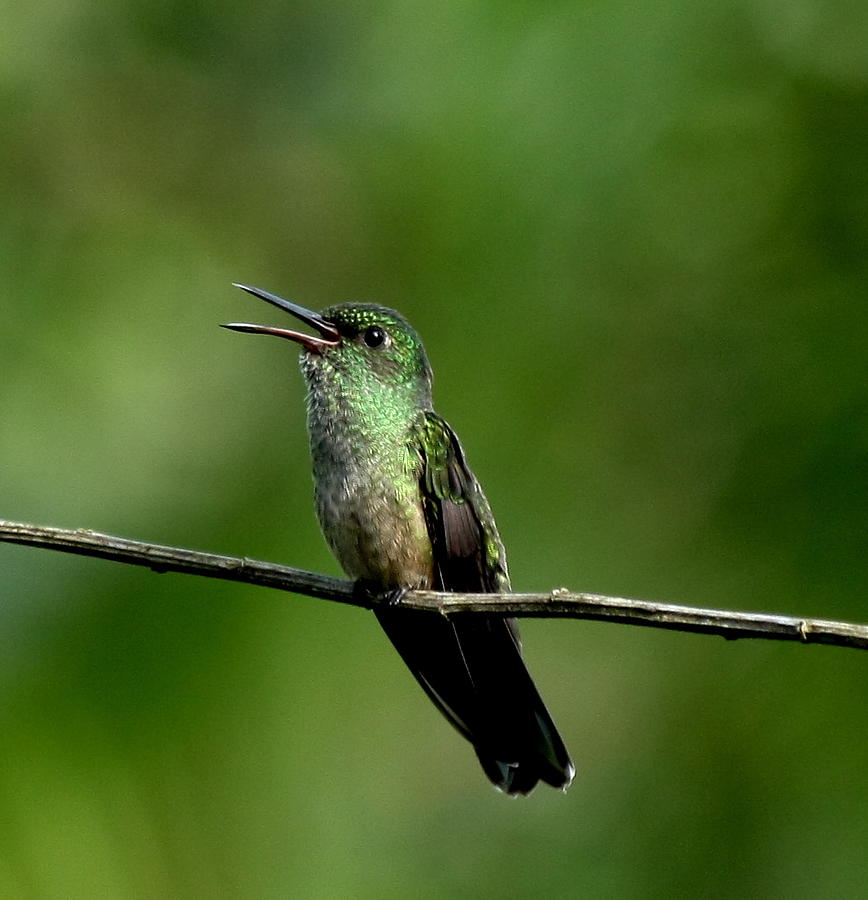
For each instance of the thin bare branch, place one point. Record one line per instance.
(160, 558)
(559, 603)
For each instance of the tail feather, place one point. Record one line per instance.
(471, 668)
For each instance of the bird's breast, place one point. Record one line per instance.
(374, 524)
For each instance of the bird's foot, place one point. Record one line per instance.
(373, 595)
(394, 597)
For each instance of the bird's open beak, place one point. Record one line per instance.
(328, 334)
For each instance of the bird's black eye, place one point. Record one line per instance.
(375, 337)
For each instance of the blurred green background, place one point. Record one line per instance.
(634, 241)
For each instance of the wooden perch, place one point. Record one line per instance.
(559, 603)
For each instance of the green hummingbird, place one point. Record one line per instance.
(400, 509)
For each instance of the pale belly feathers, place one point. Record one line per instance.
(376, 529)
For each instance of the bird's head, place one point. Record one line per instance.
(367, 350)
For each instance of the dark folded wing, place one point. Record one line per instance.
(470, 665)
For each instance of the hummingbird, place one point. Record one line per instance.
(401, 509)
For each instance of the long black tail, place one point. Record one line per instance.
(471, 667)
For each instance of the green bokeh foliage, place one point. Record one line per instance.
(634, 242)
